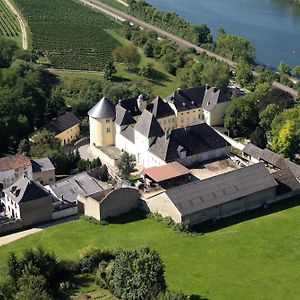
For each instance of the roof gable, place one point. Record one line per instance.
(148, 126)
(123, 117)
(212, 97)
(161, 109)
(25, 190)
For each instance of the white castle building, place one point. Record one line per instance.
(175, 129)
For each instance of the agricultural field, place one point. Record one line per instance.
(250, 259)
(9, 26)
(69, 34)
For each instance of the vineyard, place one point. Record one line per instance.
(69, 34)
(9, 26)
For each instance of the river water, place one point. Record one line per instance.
(272, 26)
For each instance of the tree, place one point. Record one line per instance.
(285, 132)
(286, 142)
(242, 115)
(126, 165)
(267, 115)
(45, 144)
(215, 74)
(202, 34)
(32, 287)
(127, 54)
(148, 49)
(258, 138)
(147, 70)
(284, 68)
(296, 71)
(109, 71)
(136, 274)
(243, 73)
(234, 47)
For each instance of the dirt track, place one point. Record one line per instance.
(22, 24)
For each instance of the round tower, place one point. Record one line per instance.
(101, 120)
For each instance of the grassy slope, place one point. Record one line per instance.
(163, 85)
(256, 259)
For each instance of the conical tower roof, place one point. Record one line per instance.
(104, 109)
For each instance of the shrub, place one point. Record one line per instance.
(134, 275)
(169, 222)
(93, 220)
(90, 258)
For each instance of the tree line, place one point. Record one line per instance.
(136, 274)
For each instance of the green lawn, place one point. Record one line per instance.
(256, 259)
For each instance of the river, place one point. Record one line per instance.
(272, 26)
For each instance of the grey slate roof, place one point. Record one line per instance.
(203, 194)
(131, 105)
(186, 99)
(104, 109)
(287, 182)
(148, 126)
(25, 190)
(253, 151)
(193, 139)
(212, 97)
(272, 158)
(123, 116)
(80, 184)
(62, 123)
(41, 165)
(160, 109)
(128, 133)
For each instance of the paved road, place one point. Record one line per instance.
(182, 42)
(21, 22)
(6, 239)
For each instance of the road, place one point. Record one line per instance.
(120, 15)
(21, 22)
(9, 238)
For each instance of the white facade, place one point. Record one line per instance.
(11, 207)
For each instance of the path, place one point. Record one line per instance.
(182, 42)
(6, 239)
(22, 24)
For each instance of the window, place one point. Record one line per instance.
(107, 130)
(107, 120)
(199, 116)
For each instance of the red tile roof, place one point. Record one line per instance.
(166, 172)
(14, 162)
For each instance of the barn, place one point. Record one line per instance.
(217, 197)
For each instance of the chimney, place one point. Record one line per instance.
(142, 105)
(120, 101)
(166, 135)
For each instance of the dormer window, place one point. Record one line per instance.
(208, 103)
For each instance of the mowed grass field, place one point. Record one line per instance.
(9, 26)
(255, 259)
(71, 35)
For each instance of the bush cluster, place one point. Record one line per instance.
(169, 223)
(93, 220)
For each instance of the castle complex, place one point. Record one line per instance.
(176, 128)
